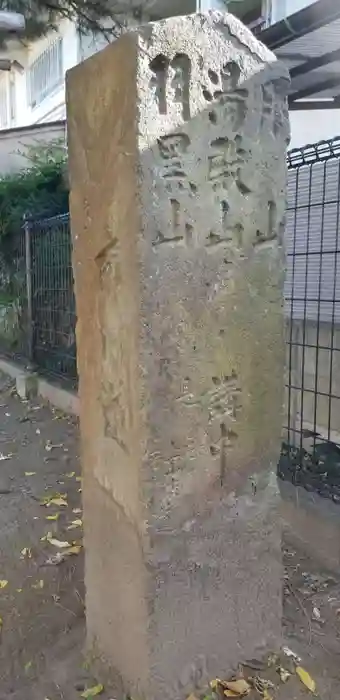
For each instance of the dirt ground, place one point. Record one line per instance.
(42, 628)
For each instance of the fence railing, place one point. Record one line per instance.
(44, 296)
(311, 452)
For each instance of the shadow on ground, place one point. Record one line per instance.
(42, 603)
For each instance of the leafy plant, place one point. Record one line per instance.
(40, 189)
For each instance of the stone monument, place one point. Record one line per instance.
(177, 140)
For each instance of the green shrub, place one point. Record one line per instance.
(39, 190)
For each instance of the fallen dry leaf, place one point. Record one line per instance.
(272, 660)
(284, 675)
(38, 584)
(1, 622)
(92, 692)
(74, 524)
(58, 543)
(230, 694)
(46, 537)
(52, 517)
(3, 583)
(56, 502)
(30, 473)
(266, 695)
(261, 684)
(26, 553)
(18, 590)
(316, 614)
(70, 475)
(56, 559)
(291, 654)
(306, 679)
(77, 511)
(240, 687)
(49, 446)
(75, 549)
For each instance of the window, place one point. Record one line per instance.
(45, 74)
(7, 100)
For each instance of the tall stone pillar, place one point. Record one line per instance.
(177, 138)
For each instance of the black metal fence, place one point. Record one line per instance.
(45, 304)
(311, 452)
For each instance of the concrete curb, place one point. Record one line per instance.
(30, 384)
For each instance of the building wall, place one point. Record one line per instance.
(14, 142)
(53, 106)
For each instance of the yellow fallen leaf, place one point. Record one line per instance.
(26, 553)
(1, 622)
(30, 473)
(92, 692)
(3, 583)
(74, 524)
(214, 683)
(46, 537)
(306, 679)
(75, 549)
(240, 687)
(76, 511)
(19, 590)
(58, 543)
(70, 475)
(266, 695)
(56, 502)
(38, 584)
(52, 517)
(230, 694)
(78, 478)
(51, 497)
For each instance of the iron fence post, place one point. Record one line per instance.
(28, 266)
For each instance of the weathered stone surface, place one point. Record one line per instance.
(177, 169)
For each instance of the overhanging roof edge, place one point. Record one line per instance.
(310, 18)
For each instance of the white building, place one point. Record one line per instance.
(33, 91)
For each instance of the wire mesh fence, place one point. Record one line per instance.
(53, 303)
(311, 452)
(42, 284)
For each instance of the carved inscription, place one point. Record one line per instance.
(224, 406)
(227, 161)
(274, 115)
(269, 232)
(223, 400)
(224, 88)
(171, 79)
(223, 82)
(180, 83)
(223, 403)
(224, 164)
(159, 68)
(172, 148)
